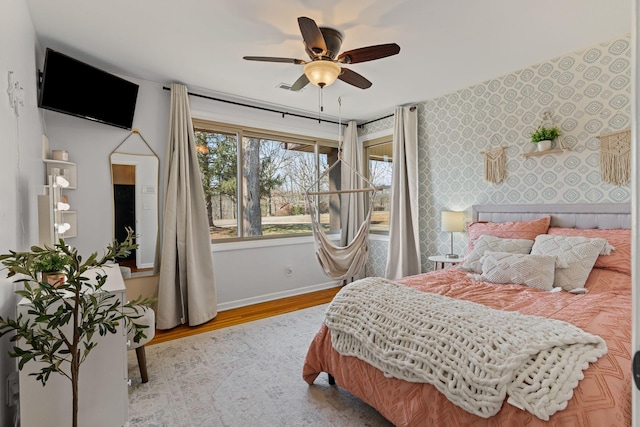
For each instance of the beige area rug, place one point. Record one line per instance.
(246, 376)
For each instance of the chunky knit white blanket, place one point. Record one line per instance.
(471, 353)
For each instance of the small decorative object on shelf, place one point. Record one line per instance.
(545, 133)
(60, 155)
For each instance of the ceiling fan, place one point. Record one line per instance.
(322, 44)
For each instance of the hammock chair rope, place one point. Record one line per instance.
(340, 262)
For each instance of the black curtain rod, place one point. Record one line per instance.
(375, 120)
(382, 118)
(284, 113)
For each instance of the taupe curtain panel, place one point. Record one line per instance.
(186, 291)
(403, 257)
(353, 211)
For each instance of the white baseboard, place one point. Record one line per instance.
(276, 295)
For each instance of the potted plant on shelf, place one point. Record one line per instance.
(65, 316)
(543, 136)
(50, 264)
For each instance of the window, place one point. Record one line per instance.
(255, 181)
(379, 156)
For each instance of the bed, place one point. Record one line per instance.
(600, 307)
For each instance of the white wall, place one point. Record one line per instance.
(252, 272)
(242, 274)
(21, 168)
(89, 145)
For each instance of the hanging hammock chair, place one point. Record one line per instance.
(341, 262)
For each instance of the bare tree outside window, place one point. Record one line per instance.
(273, 178)
(380, 166)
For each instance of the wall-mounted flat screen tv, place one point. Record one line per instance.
(73, 87)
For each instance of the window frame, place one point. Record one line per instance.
(367, 145)
(242, 132)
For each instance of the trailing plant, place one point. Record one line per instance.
(542, 133)
(63, 319)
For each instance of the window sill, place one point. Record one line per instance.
(235, 245)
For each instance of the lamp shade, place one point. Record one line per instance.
(322, 73)
(452, 221)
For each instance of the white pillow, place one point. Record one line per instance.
(485, 243)
(535, 271)
(578, 252)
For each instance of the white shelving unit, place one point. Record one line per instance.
(61, 166)
(49, 214)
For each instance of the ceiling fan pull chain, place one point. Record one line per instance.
(340, 127)
(320, 106)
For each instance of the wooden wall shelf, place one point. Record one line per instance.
(541, 153)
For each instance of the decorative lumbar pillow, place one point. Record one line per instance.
(473, 263)
(508, 230)
(578, 252)
(535, 271)
(620, 238)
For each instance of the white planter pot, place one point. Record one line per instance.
(544, 145)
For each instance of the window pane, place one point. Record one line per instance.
(380, 168)
(275, 175)
(255, 185)
(217, 157)
(328, 205)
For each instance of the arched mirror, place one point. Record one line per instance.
(134, 184)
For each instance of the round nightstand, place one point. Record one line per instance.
(440, 261)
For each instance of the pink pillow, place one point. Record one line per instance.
(619, 238)
(508, 230)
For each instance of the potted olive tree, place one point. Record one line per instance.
(65, 316)
(543, 136)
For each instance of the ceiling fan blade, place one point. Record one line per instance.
(369, 53)
(312, 35)
(353, 78)
(300, 83)
(274, 59)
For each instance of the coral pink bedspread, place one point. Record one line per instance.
(602, 398)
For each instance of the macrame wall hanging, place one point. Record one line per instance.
(495, 165)
(615, 157)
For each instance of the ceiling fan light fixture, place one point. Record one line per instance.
(322, 73)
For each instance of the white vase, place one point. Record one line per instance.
(544, 145)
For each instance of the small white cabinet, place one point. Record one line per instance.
(103, 384)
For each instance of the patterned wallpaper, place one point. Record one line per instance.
(588, 93)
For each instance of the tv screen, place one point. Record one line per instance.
(73, 87)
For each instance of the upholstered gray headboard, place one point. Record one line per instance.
(590, 215)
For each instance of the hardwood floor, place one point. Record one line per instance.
(249, 313)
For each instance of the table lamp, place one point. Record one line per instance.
(452, 222)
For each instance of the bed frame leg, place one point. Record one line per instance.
(332, 381)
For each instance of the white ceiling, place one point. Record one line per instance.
(445, 44)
